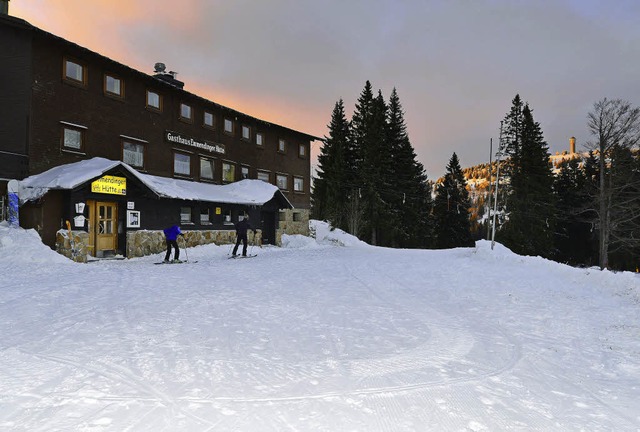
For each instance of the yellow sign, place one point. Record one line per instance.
(218, 210)
(110, 185)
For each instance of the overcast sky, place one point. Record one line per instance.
(456, 64)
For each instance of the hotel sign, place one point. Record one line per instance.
(110, 185)
(176, 138)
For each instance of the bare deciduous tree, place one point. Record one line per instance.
(615, 124)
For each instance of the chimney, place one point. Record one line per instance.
(572, 145)
(160, 72)
(4, 7)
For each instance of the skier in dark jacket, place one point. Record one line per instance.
(171, 235)
(241, 235)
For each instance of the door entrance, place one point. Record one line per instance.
(103, 228)
(268, 227)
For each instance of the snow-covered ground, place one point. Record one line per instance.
(319, 335)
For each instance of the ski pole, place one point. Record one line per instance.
(231, 245)
(253, 242)
(185, 248)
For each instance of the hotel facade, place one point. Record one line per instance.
(64, 105)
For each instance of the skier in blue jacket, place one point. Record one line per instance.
(171, 235)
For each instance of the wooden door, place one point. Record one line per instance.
(106, 226)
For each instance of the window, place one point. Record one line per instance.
(228, 172)
(228, 126)
(227, 217)
(72, 138)
(208, 119)
(297, 217)
(264, 176)
(75, 72)
(244, 172)
(282, 146)
(281, 181)
(133, 154)
(302, 150)
(113, 86)
(154, 101)
(185, 112)
(259, 139)
(282, 216)
(246, 133)
(185, 215)
(205, 216)
(298, 184)
(207, 168)
(181, 164)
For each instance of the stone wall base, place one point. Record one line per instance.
(145, 242)
(74, 248)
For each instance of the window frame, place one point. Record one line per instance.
(282, 145)
(233, 171)
(204, 120)
(181, 174)
(261, 136)
(227, 212)
(83, 81)
(138, 144)
(182, 117)
(120, 81)
(302, 151)
(246, 137)
(228, 121)
(186, 221)
(244, 168)
(262, 172)
(280, 176)
(208, 220)
(213, 168)
(295, 189)
(150, 107)
(81, 130)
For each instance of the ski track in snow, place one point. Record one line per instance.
(351, 340)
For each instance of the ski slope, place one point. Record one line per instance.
(319, 335)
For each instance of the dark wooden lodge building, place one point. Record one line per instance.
(62, 104)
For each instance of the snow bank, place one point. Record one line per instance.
(18, 245)
(623, 284)
(327, 235)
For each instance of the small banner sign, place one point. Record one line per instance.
(110, 185)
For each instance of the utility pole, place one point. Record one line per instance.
(490, 179)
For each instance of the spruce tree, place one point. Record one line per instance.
(358, 220)
(574, 238)
(411, 201)
(451, 209)
(373, 163)
(530, 223)
(329, 197)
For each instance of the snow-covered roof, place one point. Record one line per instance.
(65, 177)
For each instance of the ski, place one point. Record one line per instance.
(243, 256)
(171, 262)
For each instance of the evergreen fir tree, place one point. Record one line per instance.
(377, 176)
(511, 135)
(330, 192)
(373, 162)
(451, 209)
(530, 226)
(574, 241)
(412, 200)
(358, 218)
